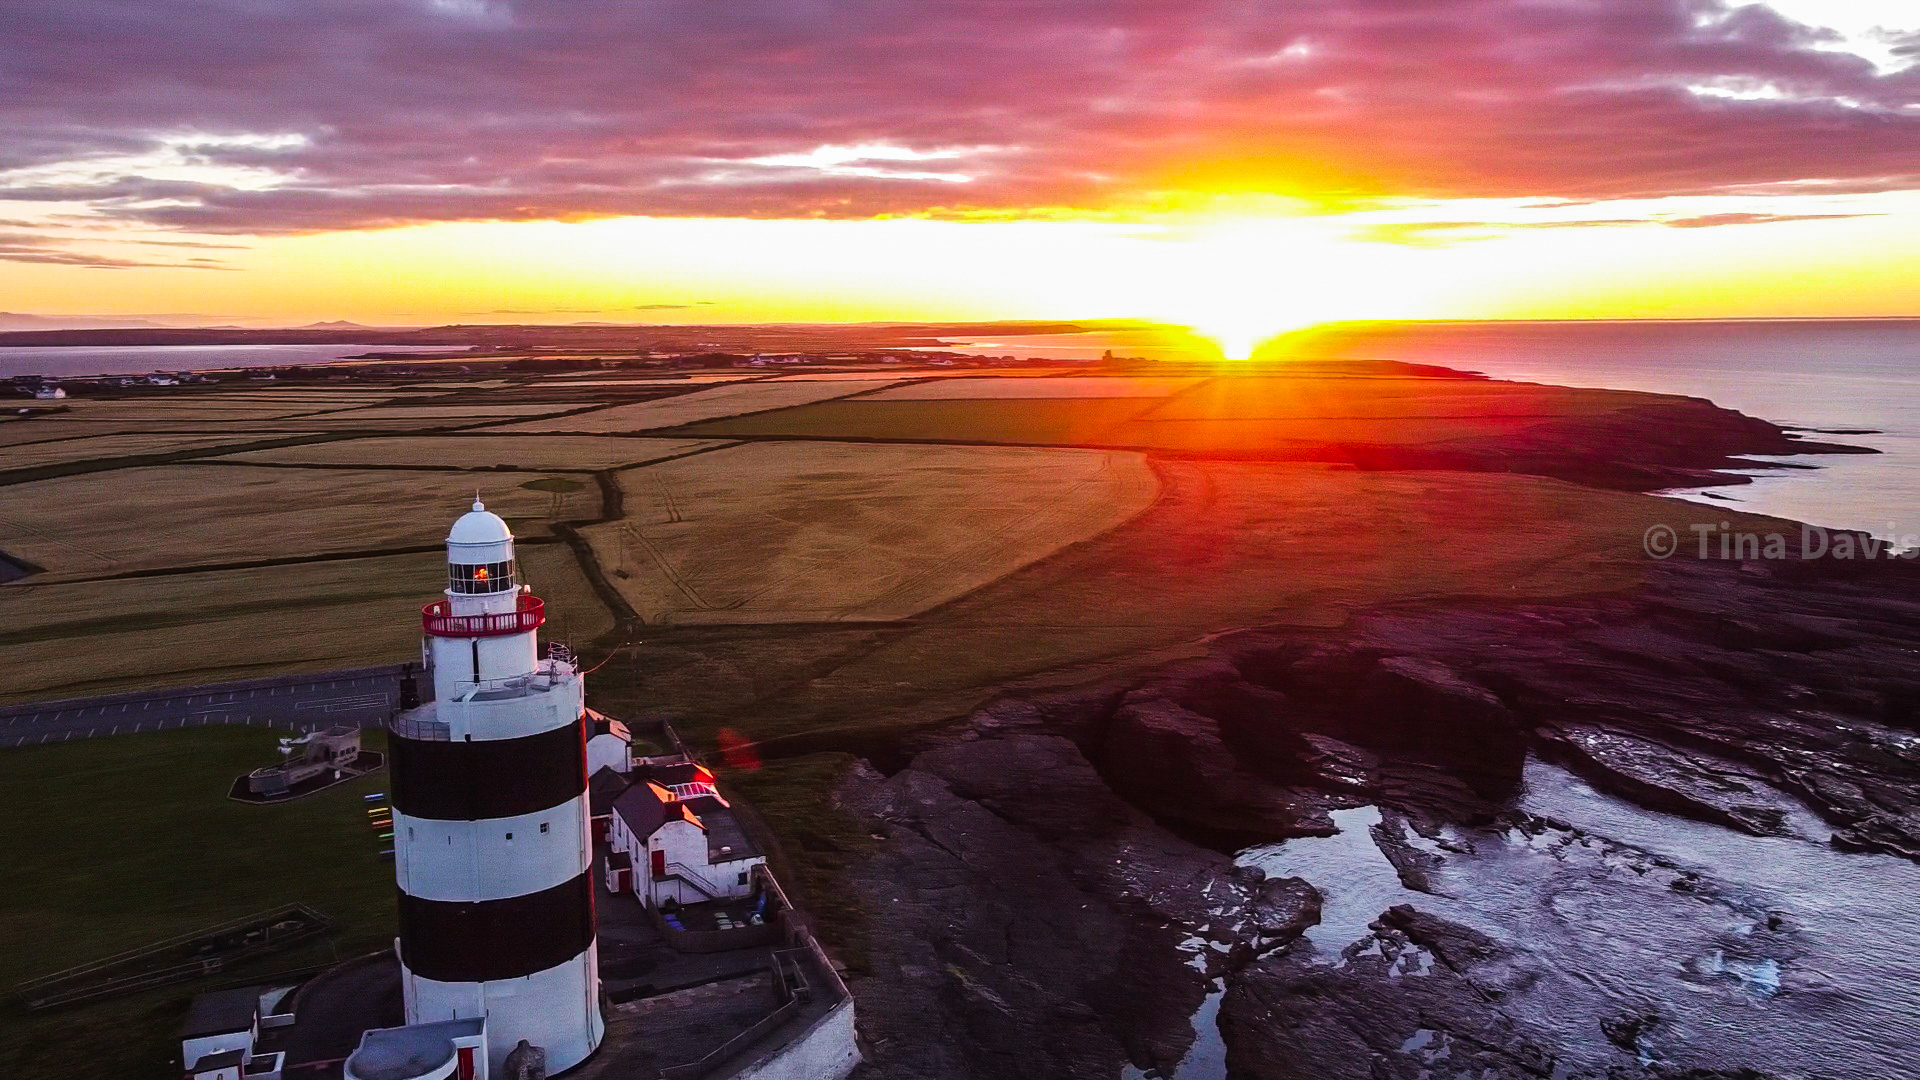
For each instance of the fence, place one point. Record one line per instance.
(177, 959)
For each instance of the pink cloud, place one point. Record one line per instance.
(416, 111)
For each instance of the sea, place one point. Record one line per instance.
(1611, 935)
(1857, 376)
(79, 361)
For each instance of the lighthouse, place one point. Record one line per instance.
(492, 846)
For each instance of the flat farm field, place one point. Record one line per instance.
(1227, 545)
(196, 515)
(87, 637)
(479, 410)
(89, 448)
(1031, 422)
(805, 532)
(731, 399)
(1069, 387)
(534, 452)
(1291, 416)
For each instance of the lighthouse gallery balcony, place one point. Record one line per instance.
(530, 613)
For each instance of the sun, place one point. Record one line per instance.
(1241, 283)
(1239, 334)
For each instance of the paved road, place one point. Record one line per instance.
(361, 698)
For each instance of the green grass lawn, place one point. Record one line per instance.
(116, 843)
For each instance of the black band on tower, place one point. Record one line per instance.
(494, 778)
(481, 941)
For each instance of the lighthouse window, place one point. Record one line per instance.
(543, 826)
(480, 577)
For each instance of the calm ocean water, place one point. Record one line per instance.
(66, 363)
(1847, 374)
(1832, 374)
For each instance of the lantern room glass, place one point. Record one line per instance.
(463, 578)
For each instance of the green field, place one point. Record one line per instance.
(110, 850)
(191, 515)
(1033, 421)
(92, 637)
(820, 531)
(483, 451)
(1256, 415)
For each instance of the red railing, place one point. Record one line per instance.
(529, 614)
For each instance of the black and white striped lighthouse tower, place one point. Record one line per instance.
(491, 835)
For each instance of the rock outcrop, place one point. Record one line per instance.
(1054, 897)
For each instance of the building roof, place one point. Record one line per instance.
(604, 786)
(683, 772)
(648, 805)
(479, 527)
(607, 725)
(225, 1059)
(726, 840)
(222, 1012)
(402, 1053)
(643, 808)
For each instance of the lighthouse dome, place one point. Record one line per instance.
(480, 526)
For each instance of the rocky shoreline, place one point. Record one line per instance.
(1054, 891)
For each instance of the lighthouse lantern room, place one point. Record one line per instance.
(491, 835)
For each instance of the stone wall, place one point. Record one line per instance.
(826, 1051)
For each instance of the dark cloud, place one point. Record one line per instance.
(424, 110)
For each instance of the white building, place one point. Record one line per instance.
(680, 838)
(492, 844)
(609, 744)
(217, 1040)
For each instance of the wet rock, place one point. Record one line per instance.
(1372, 1018)
(1172, 762)
(1662, 777)
(1414, 866)
(1035, 913)
(1028, 922)
(1627, 1031)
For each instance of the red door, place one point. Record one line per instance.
(659, 864)
(466, 1063)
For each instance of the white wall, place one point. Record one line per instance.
(192, 1050)
(685, 843)
(558, 1008)
(609, 752)
(475, 860)
(511, 718)
(826, 1052)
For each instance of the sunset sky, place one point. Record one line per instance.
(1242, 166)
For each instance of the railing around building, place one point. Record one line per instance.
(551, 675)
(423, 730)
(530, 613)
(692, 877)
